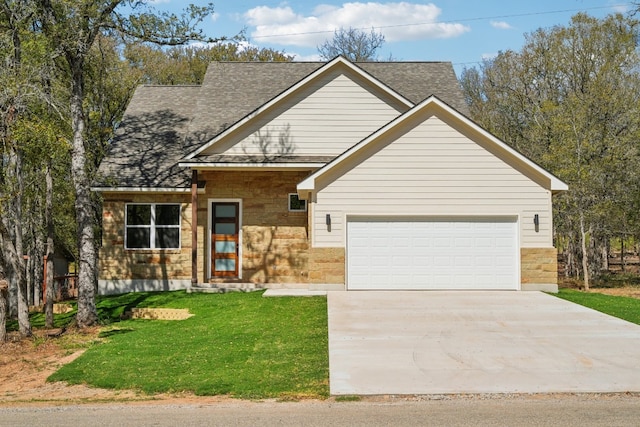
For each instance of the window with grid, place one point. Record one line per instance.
(152, 226)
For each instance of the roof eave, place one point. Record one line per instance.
(155, 190)
(558, 186)
(249, 166)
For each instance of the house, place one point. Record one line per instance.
(334, 175)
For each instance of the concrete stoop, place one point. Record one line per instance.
(221, 288)
(273, 289)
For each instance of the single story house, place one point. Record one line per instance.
(336, 175)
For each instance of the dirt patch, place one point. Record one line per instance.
(625, 291)
(619, 291)
(25, 365)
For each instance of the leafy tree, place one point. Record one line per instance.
(71, 28)
(188, 64)
(66, 86)
(353, 44)
(16, 78)
(569, 100)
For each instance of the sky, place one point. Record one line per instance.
(461, 31)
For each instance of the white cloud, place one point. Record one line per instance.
(306, 58)
(488, 56)
(619, 8)
(399, 21)
(501, 25)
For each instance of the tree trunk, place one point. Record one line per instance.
(4, 301)
(622, 253)
(48, 310)
(87, 272)
(38, 267)
(16, 273)
(585, 254)
(24, 324)
(28, 279)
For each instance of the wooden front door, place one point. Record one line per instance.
(225, 239)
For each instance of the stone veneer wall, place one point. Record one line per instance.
(538, 266)
(116, 263)
(326, 266)
(275, 242)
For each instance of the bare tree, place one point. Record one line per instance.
(354, 44)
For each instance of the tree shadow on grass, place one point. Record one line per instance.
(113, 308)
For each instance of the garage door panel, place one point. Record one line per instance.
(426, 254)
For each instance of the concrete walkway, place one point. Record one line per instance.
(476, 342)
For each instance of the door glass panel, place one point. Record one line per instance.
(225, 264)
(225, 211)
(225, 247)
(224, 228)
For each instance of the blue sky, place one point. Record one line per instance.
(461, 31)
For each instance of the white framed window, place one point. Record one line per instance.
(152, 226)
(296, 204)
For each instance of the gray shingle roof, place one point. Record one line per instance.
(164, 123)
(148, 142)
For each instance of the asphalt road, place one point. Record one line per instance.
(566, 411)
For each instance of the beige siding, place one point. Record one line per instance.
(323, 119)
(432, 170)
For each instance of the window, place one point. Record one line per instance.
(152, 226)
(295, 204)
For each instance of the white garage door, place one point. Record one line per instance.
(391, 253)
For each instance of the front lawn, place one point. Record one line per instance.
(239, 344)
(623, 307)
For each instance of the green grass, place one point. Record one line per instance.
(237, 344)
(38, 319)
(622, 307)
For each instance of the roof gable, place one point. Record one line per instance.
(338, 65)
(162, 124)
(412, 118)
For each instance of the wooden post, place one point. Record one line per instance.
(194, 228)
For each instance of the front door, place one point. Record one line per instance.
(224, 239)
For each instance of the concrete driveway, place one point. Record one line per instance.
(476, 342)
